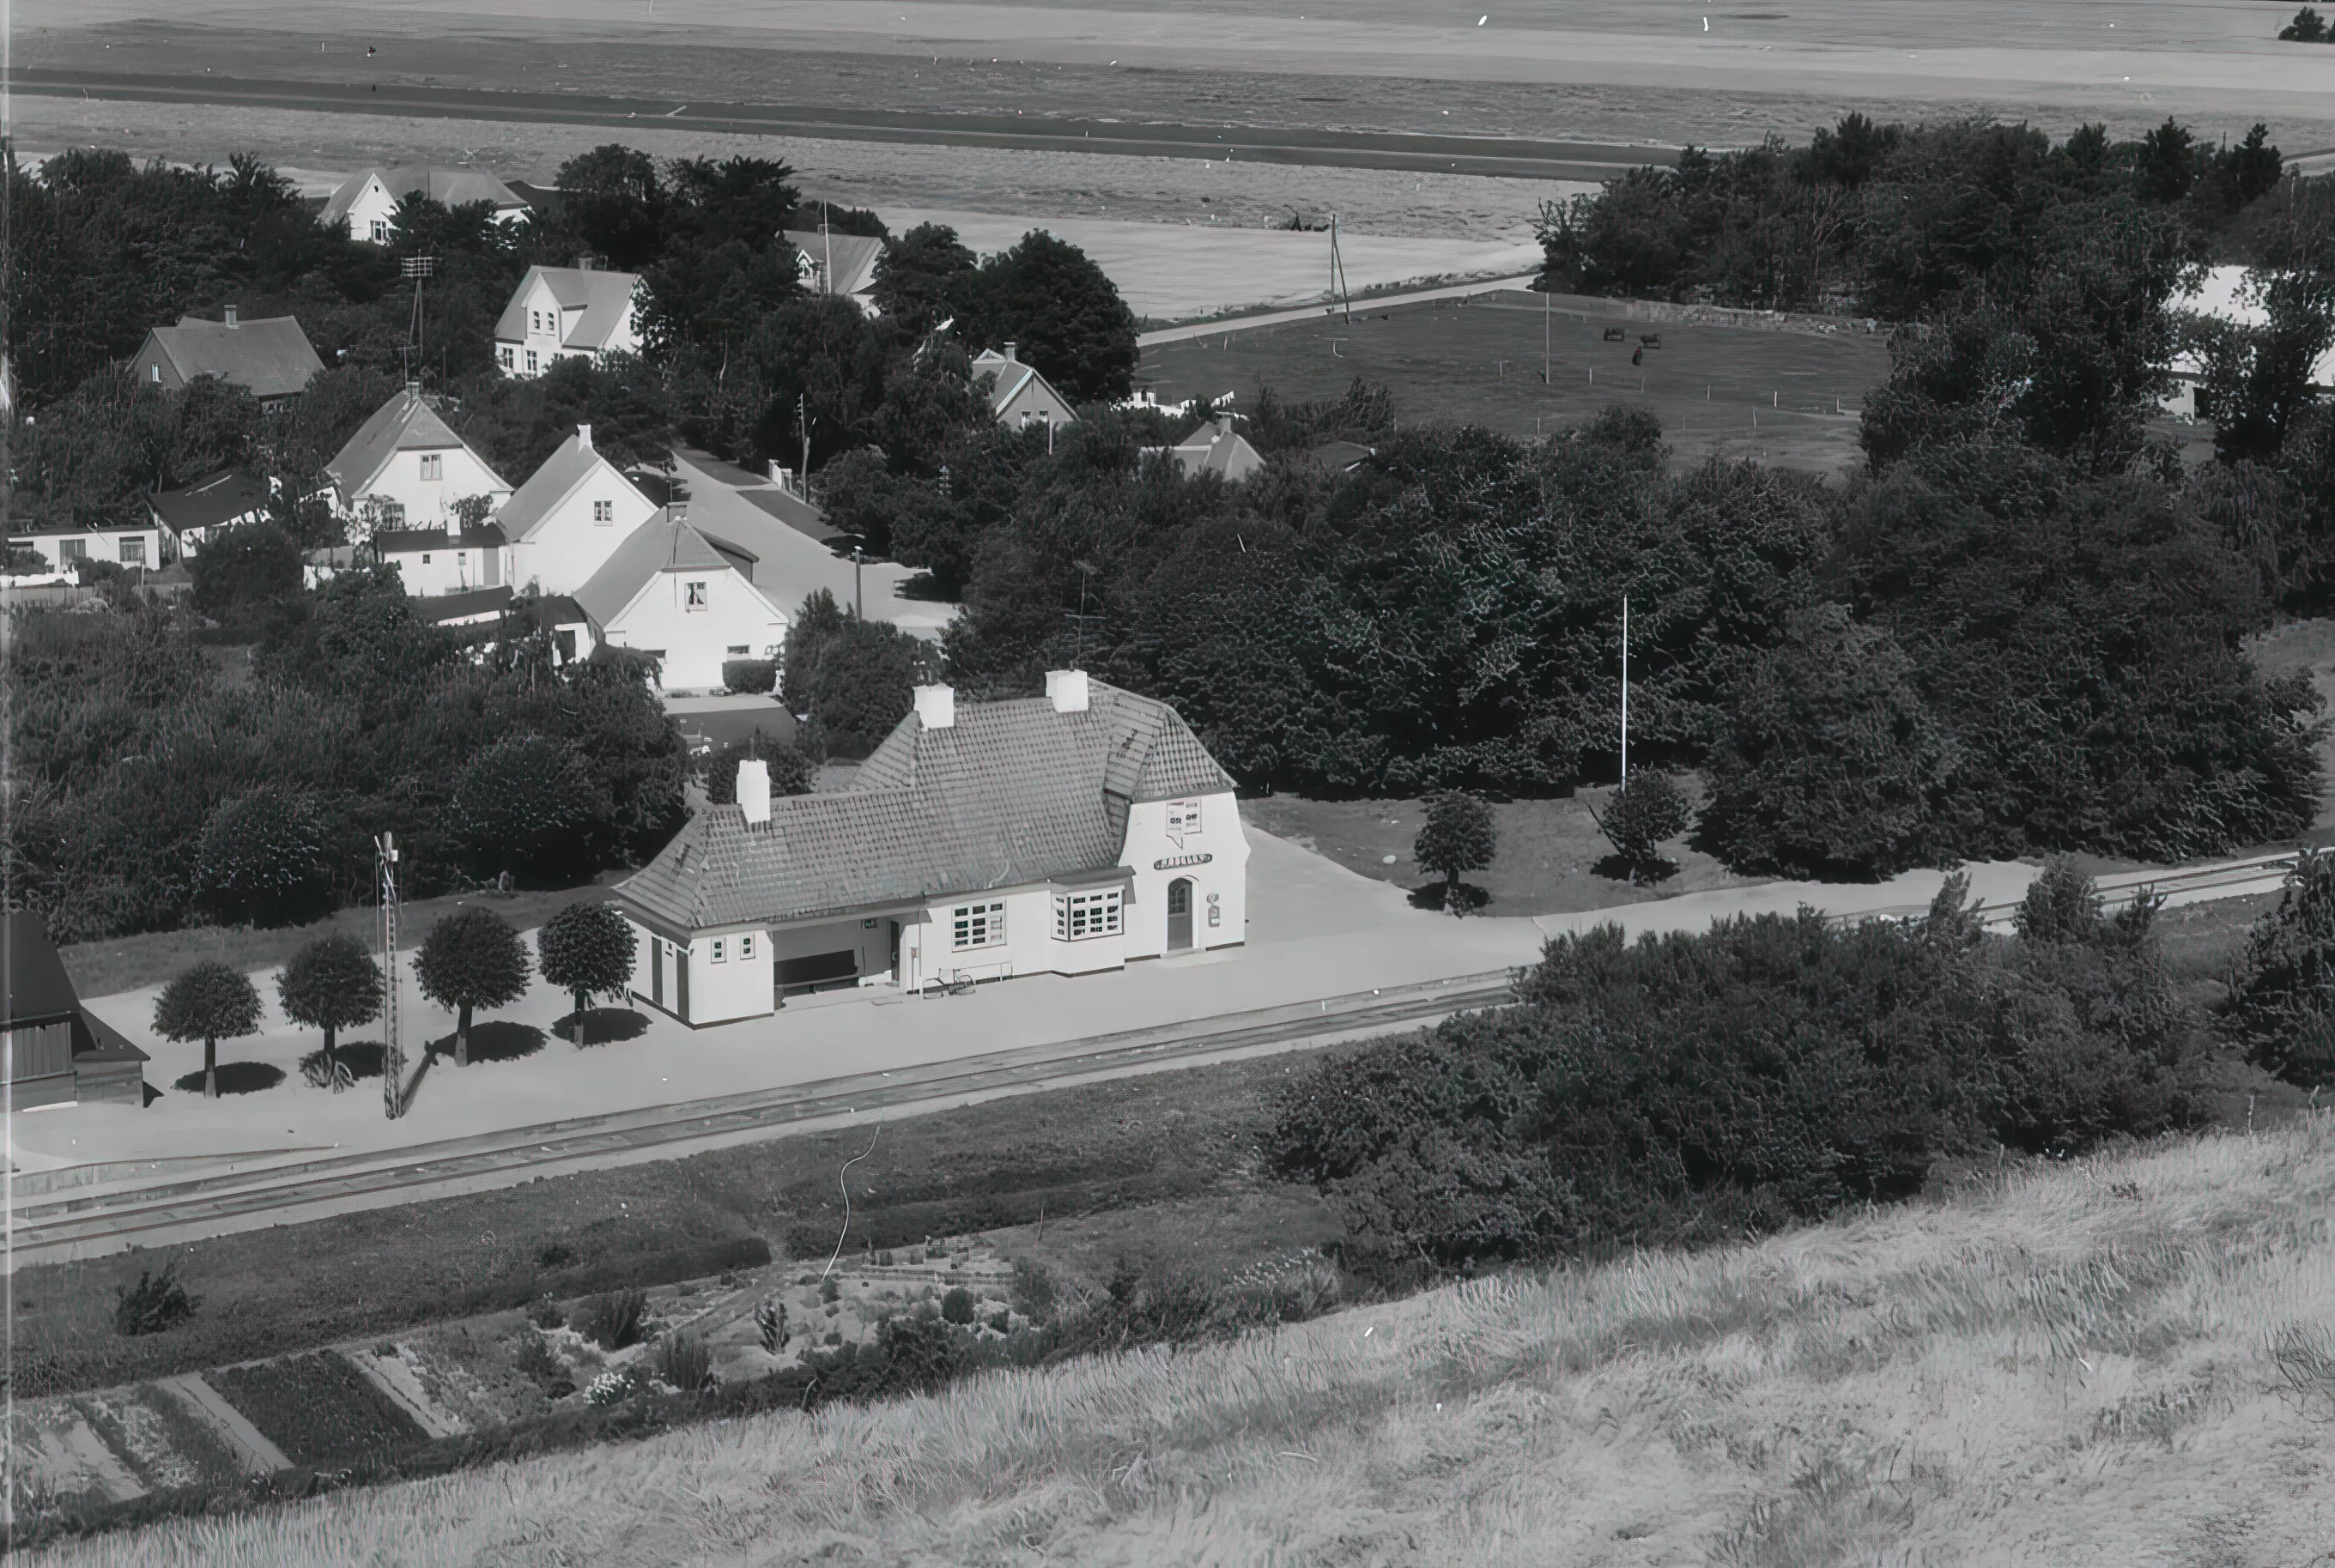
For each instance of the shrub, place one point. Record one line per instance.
(2308, 28)
(1645, 812)
(531, 1357)
(1034, 1290)
(792, 770)
(156, 1303)
(751, 674)
(616, 1387)
(957, 1306)
(771, 1326)
(545, 1315)
(2281, 1009)
(613, 1320)
(554, 1256)
(830, 1290)
(684, 1362)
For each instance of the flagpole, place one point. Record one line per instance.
(1625, 691)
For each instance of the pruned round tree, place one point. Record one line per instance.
(586, 950)
(332, 984)
(263, 859)
(471, 959)
(1645, 812)
(1459, 836)
(210, 1003)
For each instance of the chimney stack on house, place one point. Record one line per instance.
(584, 437)
(1010, 358)
(936, 707)
(1067, 691)
(232, 313)
(754, 790)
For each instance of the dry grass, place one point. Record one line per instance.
(2125, 1362)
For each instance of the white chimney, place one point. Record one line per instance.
(754, 790)
(1067, 691)
(1009, 355)
(936, 707)
(232, 313)
(584, 437)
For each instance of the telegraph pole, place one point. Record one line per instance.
(393, 1054)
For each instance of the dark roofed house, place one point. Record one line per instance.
(1062, 834)
(58, 1051)
(193, 513)
(272, 357)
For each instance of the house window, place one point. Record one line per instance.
(533, 362)
(509, 357)
(720, 950)
(154, 374)
(604, 511)
(426, 558)
(1183, 821)
(1080, 916)
(737, 650)
(696, 599)
(746, 948)
(132, 551)
(380, 232)
(72, 549)
(433, 466)
(978, 925)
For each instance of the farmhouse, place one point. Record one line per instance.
(365, 204)
(1216, 448)
(271, 357)
(843, 265)
(187, 517)
(1063, 834)
(1017, 394)
(2232, 295)
(57, 1052)
(409, 463)
(569, 516)
(567, 312)
(685, 598)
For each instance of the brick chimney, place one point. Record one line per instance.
(936, 707)
(1067, 691)
(754, 790)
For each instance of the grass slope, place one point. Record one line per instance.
(2128, 1361)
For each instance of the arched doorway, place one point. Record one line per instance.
(1180, 915)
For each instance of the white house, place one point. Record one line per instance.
(447, 560)
(1216, 448)
(686, 598)
(569, 516)
(566, 313)
(270, 357)
(365, 204)
(843, 265)
(64, 545)
(1017, 394)
(1061, 835)
(2233, 294)
(409, 459)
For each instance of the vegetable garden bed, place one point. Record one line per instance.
(318, 1410)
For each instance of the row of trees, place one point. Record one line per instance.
(469, 961)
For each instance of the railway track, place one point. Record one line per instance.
(44, 1230)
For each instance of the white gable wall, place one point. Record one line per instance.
(373, 214)
(696, 640)
(571, 542)
(428, 491)
(1220, 882)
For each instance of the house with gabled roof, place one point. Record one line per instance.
(56, 1051)
(187, 517)
(571, 516)
(684, 597)
(568, 312)
(409, 459)
(365, 204)
(843, 265)
(271, 356)
(1217, 447)
(1018, 395)
(1061, 835)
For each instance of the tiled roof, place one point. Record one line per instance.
(662, 544)
(604, 298)
(855, 255)
(1013, 377)
(1012, 793)
(406, 424)
(272, 356)
(450, 186)
(553, 483)
(227, 495)
(38, 986)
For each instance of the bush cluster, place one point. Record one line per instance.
(1774, 1070)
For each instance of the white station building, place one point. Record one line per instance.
(1056, 835)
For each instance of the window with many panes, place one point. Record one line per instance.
(720, 950)
(72, 549)
(746, 947)
(507, 356)
(604, 511)
(978, 925)
(1080, 916)
(132, 551)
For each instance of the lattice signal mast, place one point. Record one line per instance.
(419, 269)
(393, 1051)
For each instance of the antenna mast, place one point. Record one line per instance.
(418, 269)
(393, 1051)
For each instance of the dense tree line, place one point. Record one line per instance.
(158, 783)
(1687, 1088)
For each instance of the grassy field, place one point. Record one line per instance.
(1789, 398)
(2128, 1362)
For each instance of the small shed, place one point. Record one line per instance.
(56, 1051)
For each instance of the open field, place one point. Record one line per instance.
(1789, 398)
(1606, 71)
(2125, 1362)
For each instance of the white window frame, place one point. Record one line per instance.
(511, 357)
(534, 363)
(433, 466)
(1084, 916)
(694, 597)
(976, 925)
(720, 950)
(131, 549)
(745, 947)
(604, 511)
(72, 550)
(380, 232)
